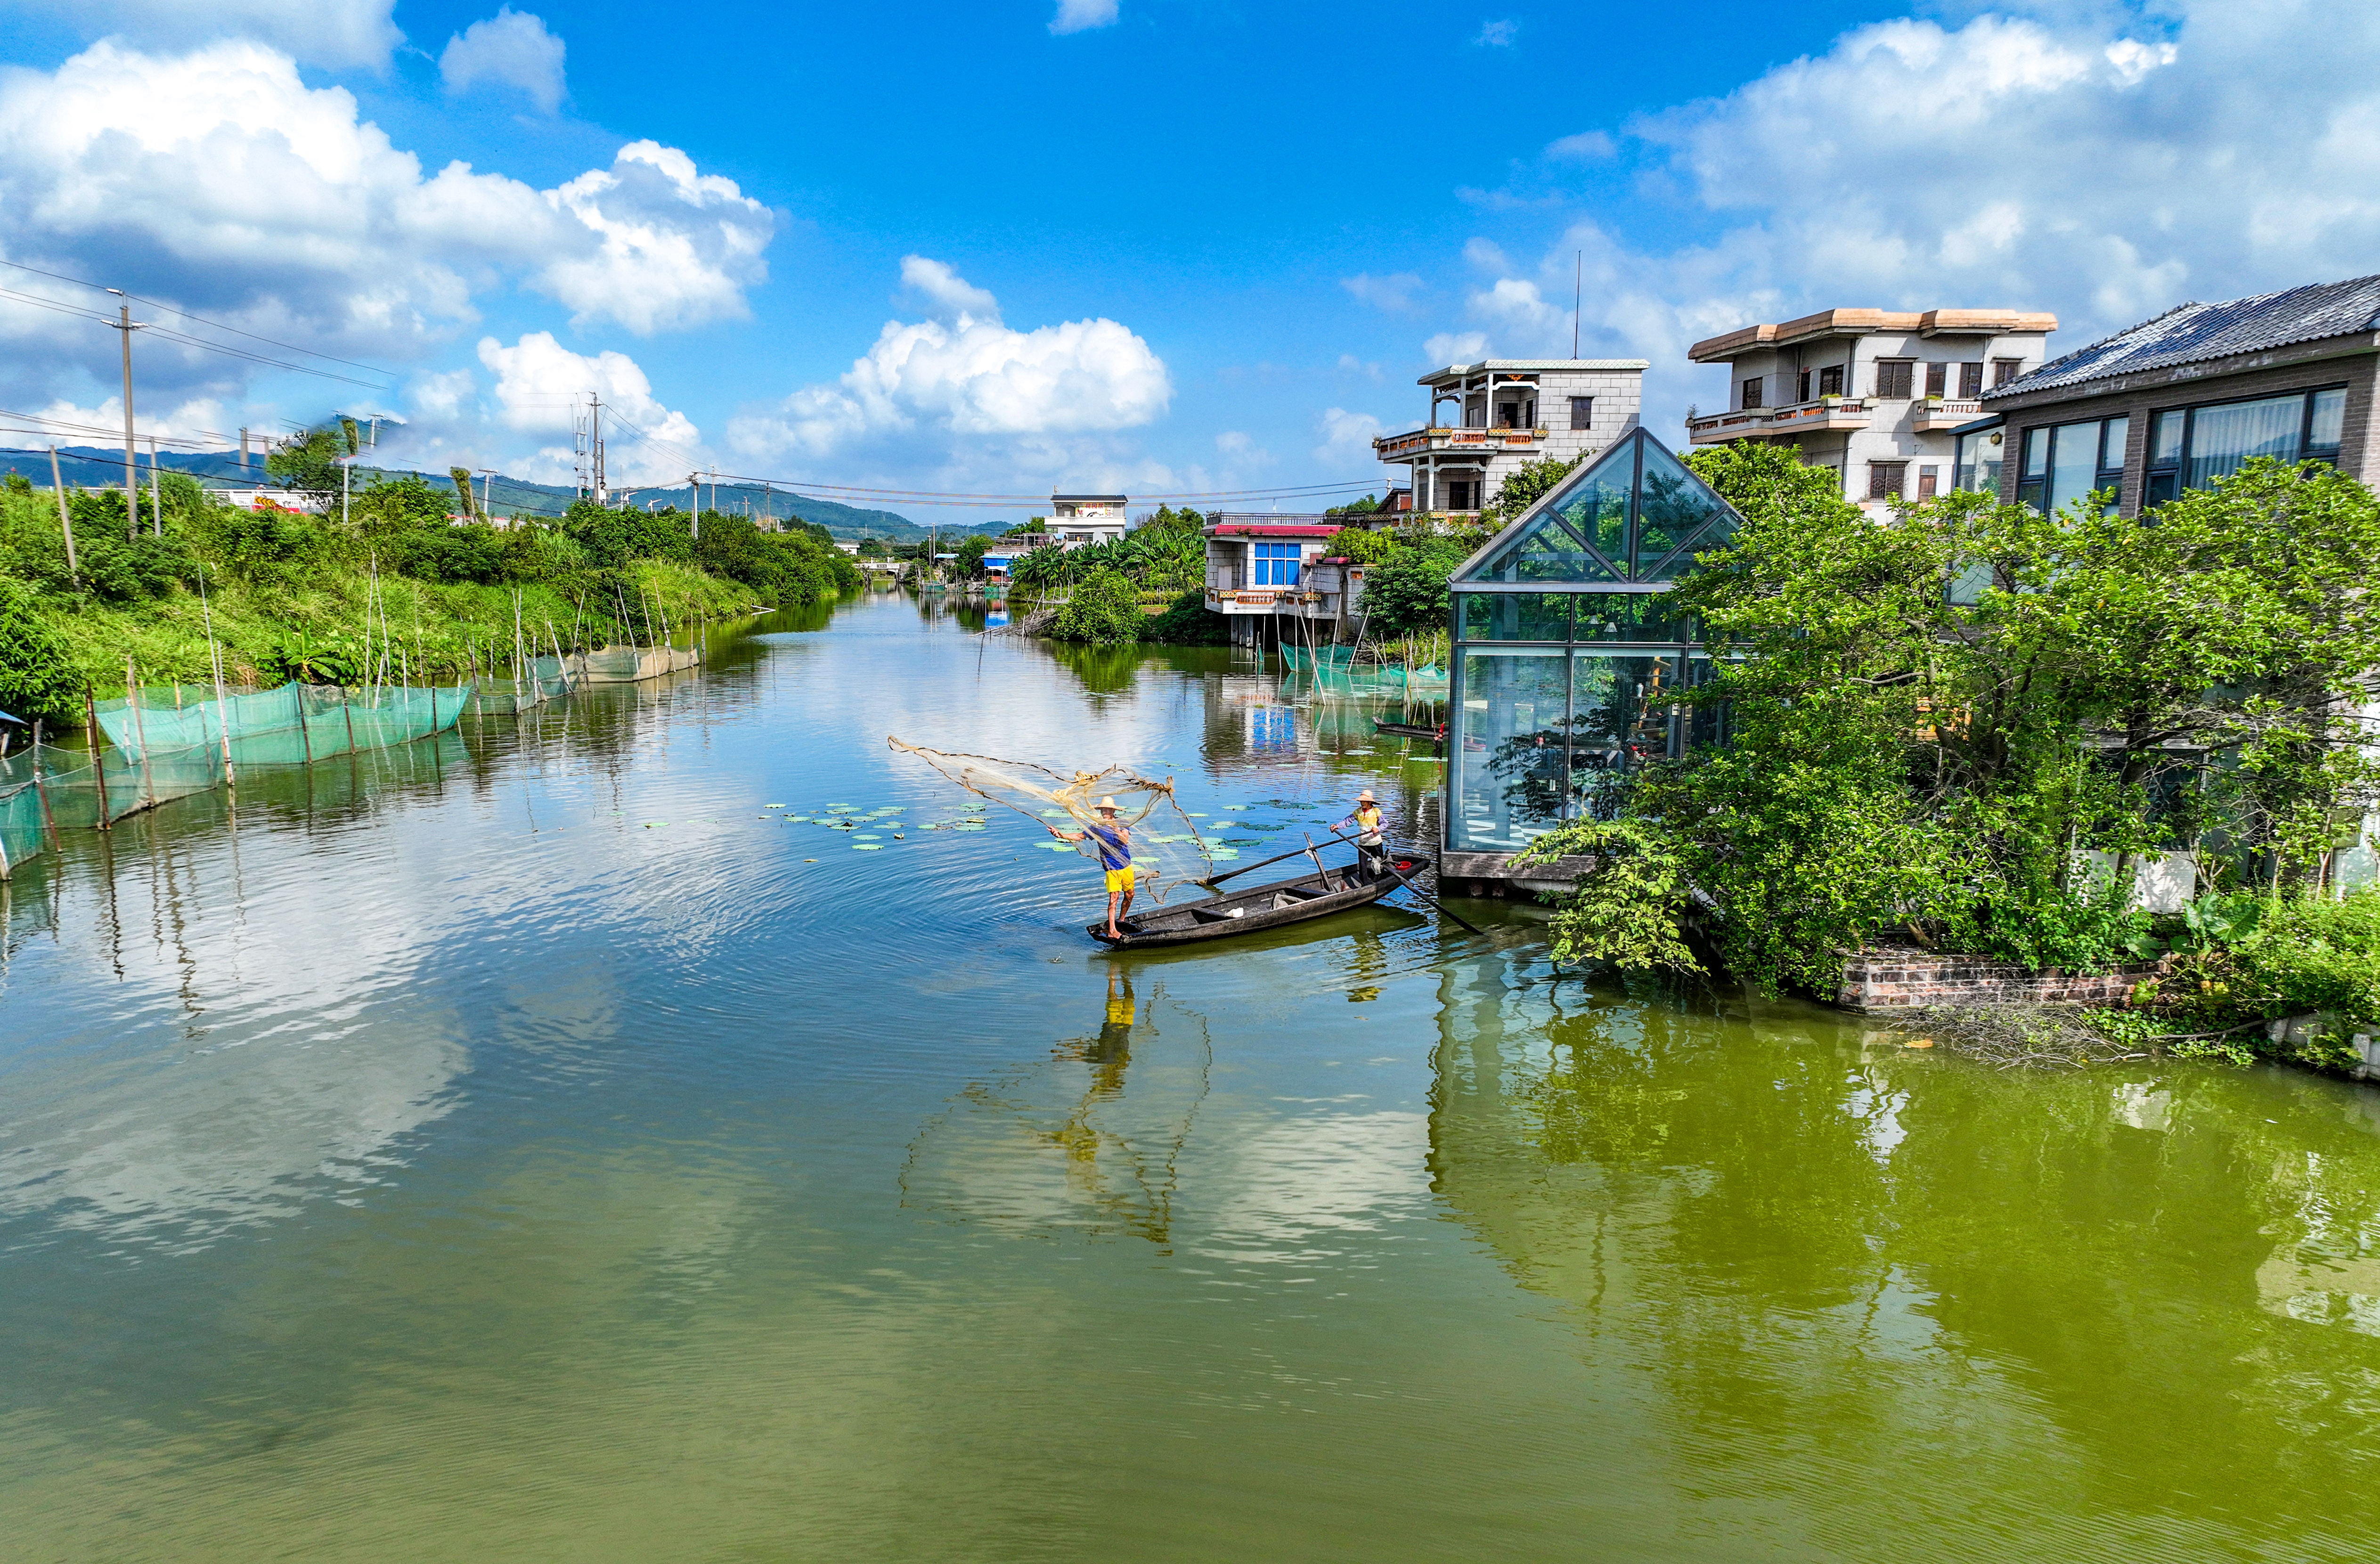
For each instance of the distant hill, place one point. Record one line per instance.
(92, 467)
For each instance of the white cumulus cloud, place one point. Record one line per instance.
(967, 377)
(1498, 34)
(333, 33)
(1347, 438)
(540, 385)
(1078, 16)
(1393, 292)
(509, 49)
(220, 181)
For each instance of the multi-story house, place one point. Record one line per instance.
(1077, 521)
(2177, 402)
(1873, 393)
(1501, 412)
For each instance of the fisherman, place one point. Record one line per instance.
(1367, 821)
(1114, 839)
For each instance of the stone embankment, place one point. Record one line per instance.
(1905, 977)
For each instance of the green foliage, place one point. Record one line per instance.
(1363, 506)
(1904, 767)
(1364, 545)
(1188, 621)
(1529, 482)
(1406, 594)
(970, 552)
(37, 673)
(1104, 610)
(309, 462)
(1631, 911)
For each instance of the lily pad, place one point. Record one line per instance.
(1236, 808)
(1243, 842)
(867, 836)
(968, 825)
(867, 847)
(1059, 846)
(655, 825)
(1261, 825)
(772, 806)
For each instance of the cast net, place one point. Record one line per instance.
(1167, 851)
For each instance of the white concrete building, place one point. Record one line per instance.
(1501, 413)
(1873, 394)
(1078, 521)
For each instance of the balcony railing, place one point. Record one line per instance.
(1826, 414)
(1389, 447)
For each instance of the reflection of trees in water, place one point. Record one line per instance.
(1101, 669)
(1619, 722)
(1810, 1235)
(1086, 1140)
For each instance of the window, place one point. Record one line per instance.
(1582, 412)
(1463, 493)
(1928, 479)
(2191, 447)
(1272, 564)
(1976, 460)
(1802, 386)
(1752, 392)
(2006, 370)
(1892, 379)
(1971, 381)
(1884, 479)
(2065, 462)
(1830, 380)
(1938, 380)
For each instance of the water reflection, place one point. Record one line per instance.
(1062, 1144)
(1794, 1225)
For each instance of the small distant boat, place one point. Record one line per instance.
(1245, 911)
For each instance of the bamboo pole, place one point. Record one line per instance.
(65, 522)
(98, 767)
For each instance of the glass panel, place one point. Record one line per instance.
(1969, 582)
(2114, 435)
(2161, 486)
(2329, 417)
(2073, 464)
(1515, 616)
(1545, 552)
(1630, 616)
(1979, 461)
(1707, 727)
(1622, 710)
(2164, 439)
(1672, 508)
(2222, 437)
(1507, 748)
(1596, 507)
(2036, 452)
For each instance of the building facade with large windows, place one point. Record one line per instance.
(1489, 418)
(2177, 402)
(1873, 393)
(1568, 656)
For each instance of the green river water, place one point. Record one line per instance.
(439, 1160)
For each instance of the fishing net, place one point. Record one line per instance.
(1167, 851)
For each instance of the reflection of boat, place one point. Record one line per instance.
(1267, 906)
(1410, 730)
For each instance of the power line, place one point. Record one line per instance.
(155, 304)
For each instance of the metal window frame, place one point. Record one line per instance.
(2151, 469)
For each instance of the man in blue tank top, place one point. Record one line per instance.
(1113, 839)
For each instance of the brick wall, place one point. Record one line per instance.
(1900, 978)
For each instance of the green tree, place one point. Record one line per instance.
(1407, 594)
(37, 673)
(308, 462)
(1104, 610)
(1526, 484)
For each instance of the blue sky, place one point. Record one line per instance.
(1149, 244)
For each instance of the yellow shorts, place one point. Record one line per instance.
(1119, 879)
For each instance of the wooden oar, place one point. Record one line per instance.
(1210, 882)
(1428, 900)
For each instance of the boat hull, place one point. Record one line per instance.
(1267, 906)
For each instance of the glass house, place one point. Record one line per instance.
(1566, 652)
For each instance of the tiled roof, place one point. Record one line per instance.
(2193, 334)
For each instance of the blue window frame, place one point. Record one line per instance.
(1272, 564)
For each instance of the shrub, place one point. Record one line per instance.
(37, 676)
(1104, 610)
(1406, 594)
(1188, 621)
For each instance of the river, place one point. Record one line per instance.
(531, 1146)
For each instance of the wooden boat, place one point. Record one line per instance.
(1434, 731)
(1245, 911)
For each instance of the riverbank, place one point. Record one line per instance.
(282, 595)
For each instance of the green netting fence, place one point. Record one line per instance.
(545, 678)
(164, 742)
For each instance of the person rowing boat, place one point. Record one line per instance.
(1114, 839)
(1367, 821)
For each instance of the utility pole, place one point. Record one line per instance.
(156, 494)
(693, 487)
(595, 413)
(131, 461)
(65, 522)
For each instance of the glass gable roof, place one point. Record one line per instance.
(1636, 514)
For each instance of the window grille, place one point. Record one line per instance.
(1884, 479)
(2006, 370)
(1937, 378)
(1892, 379)
(1752, 392)
(1971, 381)
(1582, 412)
(1830, 380)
